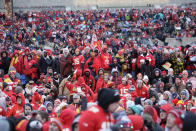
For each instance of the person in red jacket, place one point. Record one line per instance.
(89, 79)
(102, 82)
(17, 109)
(67, 118)
(141, 90)
(30, 68)
(164, 110)
(105, 59)
(23, 60)
(88, 92)
(49, 107)
(36, 101)
(78, 60)
(99, 117)
(93, 64)
(145, 56)
(124, 87)
(7, 91)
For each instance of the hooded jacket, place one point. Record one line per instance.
(18, 108)
(23, 61)
(93, 65)
(44, 63)
(67, 118)
(100, 84)
(30, 68)
(185, 101)
(88, 92)
(36, 98)
(90, 81)
(166, 108)
(157, 78)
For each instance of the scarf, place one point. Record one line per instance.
(14, 61)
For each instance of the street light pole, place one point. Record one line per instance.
(12, 1)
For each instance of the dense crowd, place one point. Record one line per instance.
(105, 70)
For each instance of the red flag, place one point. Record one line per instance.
(95, 43)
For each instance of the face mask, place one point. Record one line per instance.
(147, 62)
(87, 74)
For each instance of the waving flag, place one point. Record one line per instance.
(95, 43)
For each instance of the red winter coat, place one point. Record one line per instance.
(88, 92)
(17, 109)
(22, 61)
(143, 92)
(95, 66)
(30, 69)
(100, 84)
(105, 60)
(67, 117)
(134, 95)
(95, 119)
(149, 57)
(71, 87)
(46, 126)
(36, 98)
(90, 81)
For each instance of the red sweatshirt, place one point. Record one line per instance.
(143, 92)
(95, 119)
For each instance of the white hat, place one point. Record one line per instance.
(114, 70)
(124, 79)
(145, 77)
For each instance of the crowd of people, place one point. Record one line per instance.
(105, 71)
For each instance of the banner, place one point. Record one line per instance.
(8, 9)
(167, 65)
